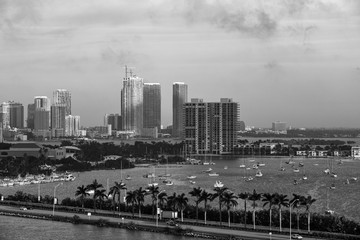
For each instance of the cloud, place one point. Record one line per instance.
(271, 65)
(16, 14)
(118, 56)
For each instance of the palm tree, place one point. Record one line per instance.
(153, 191)
(205, 196)
(94, 186)
(307, 202)
(244, 196)
(116, 190)
(270, 199)
(229, 199)
(196, 192)
(171, 202)
(162, 199)
(140, 197)
(82, 192)
(296, 203)
(131, 199)
(254, 197)
(101, 195)
(181, 203)
(219, 192)
(281, 200)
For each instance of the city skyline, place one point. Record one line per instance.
(293, 61)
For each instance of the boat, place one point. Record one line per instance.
(304, 177)
(191, 177)
(226, 167)
(213, 174)
(208, 170)
(249, 179)
(296, 170)
(301, 164)
(255, 166)
(192, 182)
(258, 174)
(218, 184)
(242, 166)
(153, 184)
(252, 160)
(354, 179)
(260, 164)
(169, 183)
(128, 178)
(334, 175)
(332, 186)
(327, 171)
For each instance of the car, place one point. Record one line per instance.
(296, 236)
(23, 208)
(172, 223)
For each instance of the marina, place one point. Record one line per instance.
(316, 184)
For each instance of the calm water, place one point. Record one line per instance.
(22, 229)
(272, 181)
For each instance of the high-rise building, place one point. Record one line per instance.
(132, 103)
(16, 115)
(211, 127)
(180, 95)
(72, 125)
(63, 97)
(152, 105)
(5, 115)
(42, 116)
(114, 120)
(58, 120)
(279, 126)
(12, 115)
(30, 116)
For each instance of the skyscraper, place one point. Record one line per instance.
(211, 127)
(72, 125)
(180, 95)
(42, 116)
(30, 116)
(114, 120)
(5, 115)
(12, 115)
(132, 103)
(58, 120)
(16, 115)
(63, 97)
(152, 105)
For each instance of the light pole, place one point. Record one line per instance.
(157, 207)
(54, 197)
(290, 216)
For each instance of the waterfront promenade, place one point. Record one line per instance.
(212, 228)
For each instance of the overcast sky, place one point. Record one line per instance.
(296, 61)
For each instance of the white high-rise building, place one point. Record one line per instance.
(5, 115)
(132, 103)
(72, 125)
(63, 97)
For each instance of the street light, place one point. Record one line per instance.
(157, 207)
(54, 197)
(290, 216)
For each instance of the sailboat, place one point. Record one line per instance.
(258, 174)
(243, 164)
(328, 210)
(281, 166)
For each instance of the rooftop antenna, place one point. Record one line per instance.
(128, 70)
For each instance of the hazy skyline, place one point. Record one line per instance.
(296, 61)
